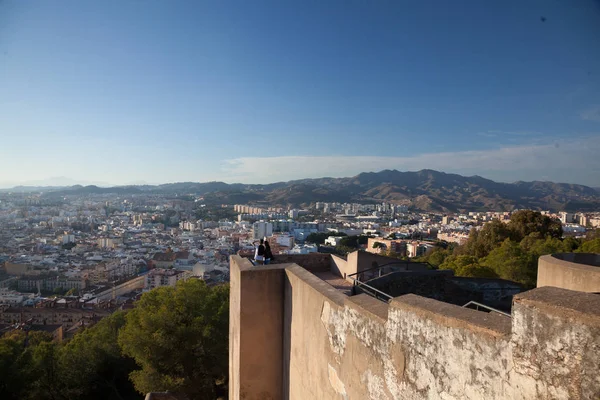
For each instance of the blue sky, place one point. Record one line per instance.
(123, 92)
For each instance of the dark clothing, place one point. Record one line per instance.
(268, 254)
(261, 250)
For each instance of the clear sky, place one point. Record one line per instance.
(123, 92)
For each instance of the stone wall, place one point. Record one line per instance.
(365, 260)
(312, 262)
(339, 266)
(570, 271)
(493, 292)
(255, 326)
(444, 286)
(339, 347)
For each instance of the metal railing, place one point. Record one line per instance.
(491, 309)
(378, 294)
(376, 272)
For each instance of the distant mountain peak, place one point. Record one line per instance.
(426, 189)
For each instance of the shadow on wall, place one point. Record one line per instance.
(444, 286)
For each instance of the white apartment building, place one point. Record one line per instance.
(68, 239)
(333, 240)
(262, 229)
(304, 249)
(416, 249)
(164, 277)
(566, 217)
(283, 240)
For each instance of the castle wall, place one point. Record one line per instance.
(339, 347)
(568, 271)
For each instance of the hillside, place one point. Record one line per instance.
(425, 190)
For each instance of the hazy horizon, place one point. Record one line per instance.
(68, 182)
(118, 92)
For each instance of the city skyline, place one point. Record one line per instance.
(116, 93)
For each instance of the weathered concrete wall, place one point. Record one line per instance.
(362, 261)
(365, 260)
(492, 291)
(570, 271)
(339, 266)
(312, 261)
(444, 286)
(339, 347)
(256, 331)
(355, 262)
(556, 343)
(356, 353)
(324, 360)
(236, 264)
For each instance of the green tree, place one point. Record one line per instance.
(179, 339)
(435, 256)
(92, 366)
(319, 237)
(590, 246)
(27, 361)
(570, 244)
(525, 222)
(456, 262)
(350, 241)
(378, 245)
(593, 234)
(354, 241)
(47, 382)
(476, 271)
(530, 241)
(481, 242)
(467, 266)
(14, 366)
(510, 262)
(391, 253)
(362, 239)
(549, 245)
(343, 250)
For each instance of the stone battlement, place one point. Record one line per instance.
(574, 271)
(294, 336)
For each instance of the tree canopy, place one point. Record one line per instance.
(592, 246)
(526, 222)
(90, 366)
(179, 339)
(320, 237)
(174, 339)
(511, 250)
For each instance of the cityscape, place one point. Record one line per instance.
(89, 255)
(71, 260)
(299, 200)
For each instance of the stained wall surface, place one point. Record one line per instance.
(339, 347)
(574, 271)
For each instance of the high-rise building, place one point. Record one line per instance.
(262, 229)
(566, 217)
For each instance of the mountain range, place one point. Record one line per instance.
(424, 190)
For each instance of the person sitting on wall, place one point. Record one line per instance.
(268, 253)
(259, 252)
